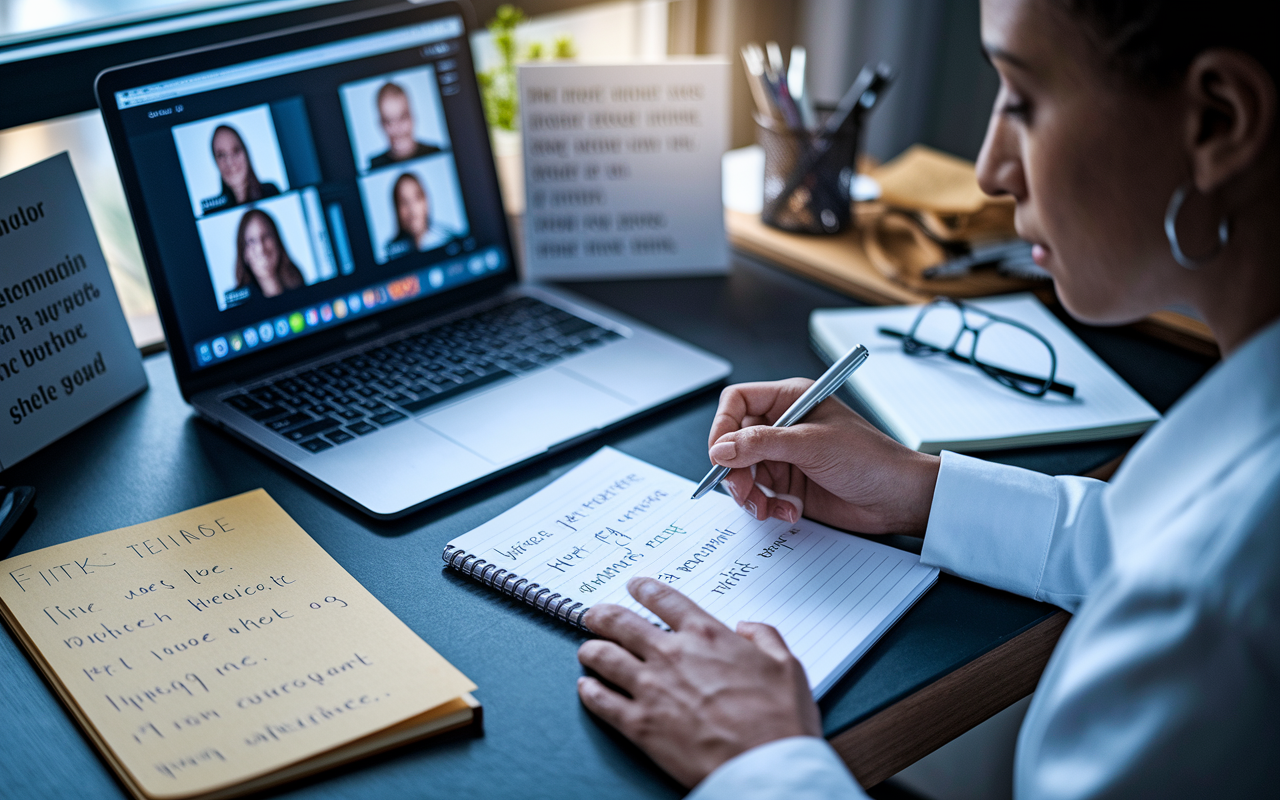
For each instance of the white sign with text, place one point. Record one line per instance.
(66, 354)
(622, 169)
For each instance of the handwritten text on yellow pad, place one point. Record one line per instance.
(218, 644)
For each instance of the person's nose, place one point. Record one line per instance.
(999, 165)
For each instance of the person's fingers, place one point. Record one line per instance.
(771, 643)
(749, 446)
(757, 503)
(605, 703)
(763, 401)
(761, 500)
(671, 606)
(729, 413)
(787, 507)
(771, 399)
(611, 662)
(775, 475)
(781, 505)
(738, 484)
(767, 638)
(767, 504)
(797, 489)
(623, 626)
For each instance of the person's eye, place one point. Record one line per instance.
(1020, 110)
(1015, 107)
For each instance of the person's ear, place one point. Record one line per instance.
(1231, 124)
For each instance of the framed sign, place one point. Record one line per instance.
(66, 354)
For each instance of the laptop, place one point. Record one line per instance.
(320, 218)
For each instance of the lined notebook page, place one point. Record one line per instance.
(932, 404)
(829, 593)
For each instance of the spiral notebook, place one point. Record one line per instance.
(578, 541)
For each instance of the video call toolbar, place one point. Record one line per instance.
(312, 318)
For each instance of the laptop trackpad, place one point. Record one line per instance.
(522, 418)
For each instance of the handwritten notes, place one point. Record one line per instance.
(215, 646)
(622, 168)
(66, 354)
(579, 540)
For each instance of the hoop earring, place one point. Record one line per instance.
(1171, 231)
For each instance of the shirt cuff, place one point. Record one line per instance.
(991, 523)
(797, 768)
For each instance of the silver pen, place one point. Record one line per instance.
(821, 389)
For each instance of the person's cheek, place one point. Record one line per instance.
(1087, 281)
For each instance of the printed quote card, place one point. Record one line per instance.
(66, 354)
(622, 169)
(222, 643)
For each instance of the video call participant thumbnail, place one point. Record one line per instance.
(415, 231)
(263, 264)
(240, 183)
(395, 114)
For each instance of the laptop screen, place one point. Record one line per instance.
(293, 193)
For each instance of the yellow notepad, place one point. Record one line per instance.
(221, 650)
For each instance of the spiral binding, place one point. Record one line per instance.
(509, 583)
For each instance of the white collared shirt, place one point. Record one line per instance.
(1166, 682)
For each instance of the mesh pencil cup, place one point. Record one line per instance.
(806, 178)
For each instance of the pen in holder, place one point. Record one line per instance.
(818, 200)
(808, 172)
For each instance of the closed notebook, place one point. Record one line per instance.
(933, 404)
(577, 542)
(220, 651)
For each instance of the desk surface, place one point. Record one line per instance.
(152, 457)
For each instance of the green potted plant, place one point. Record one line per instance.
(500, 92)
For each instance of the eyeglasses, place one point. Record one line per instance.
(1005, 350)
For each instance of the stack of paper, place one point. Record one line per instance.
(220, 651)
(934, 404)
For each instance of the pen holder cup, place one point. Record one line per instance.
(806, 178)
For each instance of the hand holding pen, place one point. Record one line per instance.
(821, 389)
(832, 466)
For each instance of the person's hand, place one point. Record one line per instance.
(833, 466)
(700, 693)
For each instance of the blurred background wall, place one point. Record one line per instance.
(942, 96)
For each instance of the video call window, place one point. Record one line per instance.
(394, 118)
(409, 184)
(262, 234)
(230, 160)
(413, 207)
(265, 249)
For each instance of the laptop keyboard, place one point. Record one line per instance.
(337, 402)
